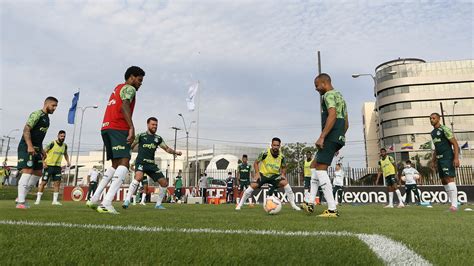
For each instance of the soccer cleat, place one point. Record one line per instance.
(125, 204)
(329, 214)
(21, 206)
(308, 208)
(107, 209)
(389, 206)
(143, 203)
(296, 208)
(401, 205)
(159, 207)
(453, 209)
(92, 205)
(56, 203)
(37, 202)
(237, 208)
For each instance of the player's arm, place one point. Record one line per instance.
(346, 123)
(30, 123)
(237, 176)
(255, 166)
(379, 173)
(66, 156)
(169, 150)
(135, 141)
(454, 142)
(283, 168)
(330, 122)
(127, 114)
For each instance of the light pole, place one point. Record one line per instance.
(83, 109)
(187, 147)
(452, 116)
(8, 141)
(174, 156)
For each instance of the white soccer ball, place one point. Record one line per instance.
(417, 176)
(272, 205)
(179, 201)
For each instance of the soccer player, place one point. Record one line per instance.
(271, 167)
(332, 138)
(445, 158)
(92, 179)
(52, 166)
(244, 172)
(230, 184)
(388, 169)
(30, 149)
(410, 175)
(147, 143)
(307, 175)
(338, 184)
(118, 133)
(178, 186)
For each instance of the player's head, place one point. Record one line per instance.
(309, 155)
(152, 124)
(276, 143)
(244, 158)
(61, 136)
(50, 104)
(134, 76)
(180, 171)
(434, 119)
(408, 163)
(322, 83)
(383, 152)
(229, 173)
(338, 166)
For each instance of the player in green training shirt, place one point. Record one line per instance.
(30, 149)
(147, 143)
(244, 172)
(335, 124)
(445, 158)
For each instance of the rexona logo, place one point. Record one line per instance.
(118, 147)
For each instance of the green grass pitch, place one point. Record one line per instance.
(440, 237)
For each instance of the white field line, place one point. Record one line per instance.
(389, 251)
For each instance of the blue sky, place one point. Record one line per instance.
(256, 60)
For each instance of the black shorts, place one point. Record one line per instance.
(150, 170)
(326, 154)
(25, 160)
(53, 172)
(116, 145)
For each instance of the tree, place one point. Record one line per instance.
(294, 155)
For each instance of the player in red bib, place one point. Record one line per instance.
(118, 134)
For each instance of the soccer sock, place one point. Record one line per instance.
(247, 194)
(399, 195)
(132, 189)
(38, 196)
(417, 196)
(22, 187)
(325, 182)
(314, 186)
(32, 182)
(55, 196)
(453, 191)
(390, 198)
(103, 183)
(144, 197)
(117, 181)
(290, 194)
(306, 195)
(161, 195)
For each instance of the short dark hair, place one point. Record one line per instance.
(383, 149)
(229, 173)
(152, 119)
(61, 132)
(339, 164)
(244, 156)
(134, 71)
(51, 98)
(436, 114)
(324, 76)
(276, 139)
(408, 162)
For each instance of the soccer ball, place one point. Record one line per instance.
(417, 176)
(179, 201)
(272, 205)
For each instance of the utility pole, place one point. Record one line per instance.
(8, 142)
(442, 112)
(174, 156)
(1, 147)
(320, 96)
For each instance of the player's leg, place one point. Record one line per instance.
(391, 189)
(340, 192)
(283, 183)
(56, 185)
(133, 188)
(162, 190)
(94, 201)
(307, 186)
(399, 194)
(44, 181)
(26, 173)
(117, 181)
(408, 191)
(248, 192)
(447, 173)
(417, 194)
(37, 173)
(145, 191)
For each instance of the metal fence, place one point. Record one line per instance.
(352, 177)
